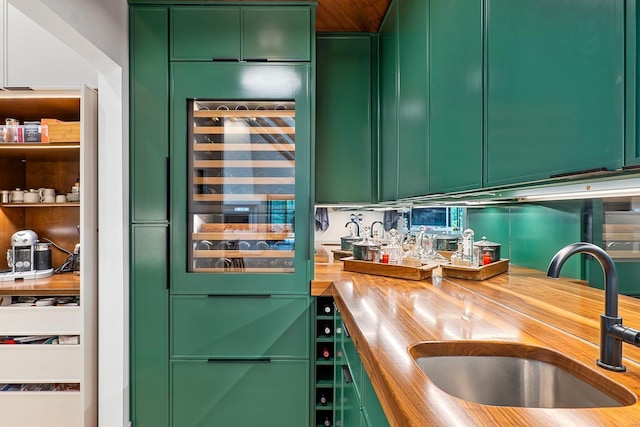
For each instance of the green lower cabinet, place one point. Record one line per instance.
(351, 414)
(240, 393)
(149, 326)
(225, 326)
(371, 408)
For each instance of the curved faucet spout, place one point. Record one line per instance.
(357, 228)
(607, 264)
(612, 332)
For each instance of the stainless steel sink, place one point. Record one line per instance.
(506, 374)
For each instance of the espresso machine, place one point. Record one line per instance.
(28, 258)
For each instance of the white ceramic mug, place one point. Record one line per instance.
(61, 198)
(17, 196)
(47, 194)
(31, 197)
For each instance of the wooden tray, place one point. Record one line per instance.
(339, 254)
(388, 270)
(475, 273)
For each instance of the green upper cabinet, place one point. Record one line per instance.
(344, 150)
(205, 33)
(388, 81)
(455, 90)
(632, 135)
(413, 98)
(235, 33)
(149, 88)
(277, 33)
(554, 88)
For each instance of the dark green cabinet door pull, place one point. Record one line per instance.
(239, 295)
(231, 360)
(223, 59)
(346, 373)
(255, 59)
(581, 173)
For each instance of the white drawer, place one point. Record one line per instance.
(35, 363)
(40, 320)
(40, 409)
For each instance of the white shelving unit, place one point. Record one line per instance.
(51, 363)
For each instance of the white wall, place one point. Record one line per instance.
(98, 31)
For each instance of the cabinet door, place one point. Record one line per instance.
(149, 326)
(388, 149)
(555, 83)
(632, 83)
(240, 393)
(351, 413)
(344, 151)
(205, 33)
(149, 80)
(371, 408)
(413, 99)
(277, 33)
(455, 91)
(203, 326)
(241, 163)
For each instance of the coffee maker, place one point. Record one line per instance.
(28, 258)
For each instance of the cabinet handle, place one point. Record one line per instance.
(346, 331)
(239, 295)
(167, 165)
(585, 172)
(255, 59)
(224, 59)
(250, 360)
(346, 373)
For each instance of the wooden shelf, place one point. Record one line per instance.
(57, 285)
(220, 253)
(51, 152)
(218, 146)
(254, 164)
(231, 180)
(240, 235)
(241, 197)
(255, 130)
(244, 270)
(42, 205)
(244, 113)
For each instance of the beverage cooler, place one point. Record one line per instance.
(241, 170)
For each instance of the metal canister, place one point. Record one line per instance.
(42, 256)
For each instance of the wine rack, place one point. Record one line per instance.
(325, 364)
(242, 184)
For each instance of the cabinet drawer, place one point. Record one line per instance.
(40, 363)
(40, 321)
(41, 409)
(272, 393)
(218, 326)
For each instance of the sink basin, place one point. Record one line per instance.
(516, 375)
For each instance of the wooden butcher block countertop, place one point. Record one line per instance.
(386, 316)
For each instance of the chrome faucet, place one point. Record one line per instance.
(381, 235)
(612, 332)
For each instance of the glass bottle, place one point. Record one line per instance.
(467, 246)
(394, 249)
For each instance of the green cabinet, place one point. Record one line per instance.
(234, 326)
(205, 33)
(344, 111)
(277, 33)
(554, 88)
(240, 150)
(388, 81)
(632, 110)
(149, 326)
(234, 33)
(413, 98)
(455, 90)
(240, 393)
(149, 98)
